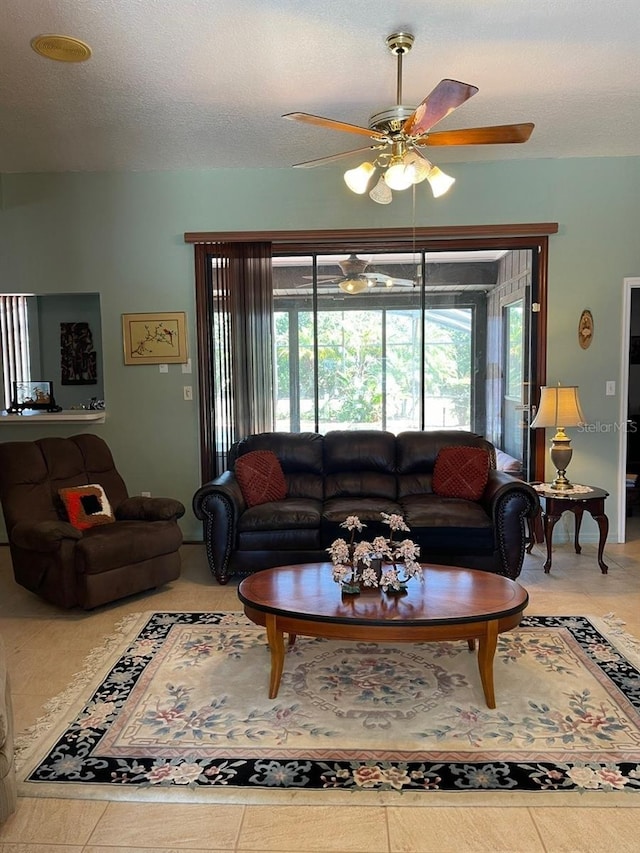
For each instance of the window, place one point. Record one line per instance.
(14, 334)
(393, 355)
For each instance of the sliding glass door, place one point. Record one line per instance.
(401, 341)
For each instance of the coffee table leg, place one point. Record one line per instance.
(275, 638)
(486, 653)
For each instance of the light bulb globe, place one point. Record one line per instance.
(398, 177)
(440, 182)
(358, 179)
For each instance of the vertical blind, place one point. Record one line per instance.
(235, 296)
(14, 334)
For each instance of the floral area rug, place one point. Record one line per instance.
(177, 702)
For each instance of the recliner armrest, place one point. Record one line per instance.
(140, 508)
(43, 535)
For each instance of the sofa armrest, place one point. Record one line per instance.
(219, 504)
(510, 502)
(140, 508)
(42, 535)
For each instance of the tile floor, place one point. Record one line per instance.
(46, 646)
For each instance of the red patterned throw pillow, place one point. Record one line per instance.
(86, 506)
(461, 472)
(260, 477)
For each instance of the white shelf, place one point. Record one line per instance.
(66, 416)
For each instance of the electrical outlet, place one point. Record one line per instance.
(188, 392)
(145, 494)
(164, 368)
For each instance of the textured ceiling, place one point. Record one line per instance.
(200, 84)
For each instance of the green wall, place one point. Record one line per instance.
(121, 235)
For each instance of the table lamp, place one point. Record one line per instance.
(559, 408)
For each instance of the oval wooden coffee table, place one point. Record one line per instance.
(452, 604)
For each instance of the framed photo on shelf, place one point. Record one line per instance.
(155, 338)
(34, 394)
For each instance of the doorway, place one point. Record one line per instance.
(629, 438)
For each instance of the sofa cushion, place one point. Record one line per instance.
(505, 462)
(461, 472)
(367, 509)
(125, 543)
(288, 514)
(296, 451)
(434, 511)
(359, 450)
(260, 477)
(447, 525)
(86, 506)
(280, 541)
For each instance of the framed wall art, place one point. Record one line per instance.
(78, 358)
(155, 338)
(585, 329)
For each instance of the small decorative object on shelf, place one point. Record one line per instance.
(34, 394)
(382, 563)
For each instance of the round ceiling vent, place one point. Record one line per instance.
(61, 48)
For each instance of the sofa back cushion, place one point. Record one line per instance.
(299, 455)
(417, 453)
(360, 463)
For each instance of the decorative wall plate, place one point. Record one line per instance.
(585, 329)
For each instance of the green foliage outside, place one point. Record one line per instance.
(364, 366)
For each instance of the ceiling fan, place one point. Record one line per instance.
(400, 132)
(355, 279)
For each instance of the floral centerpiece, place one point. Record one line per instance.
(381, 563)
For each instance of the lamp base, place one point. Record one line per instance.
(561, 483)
(561, 453)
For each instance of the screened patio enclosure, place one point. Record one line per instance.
(405, 340)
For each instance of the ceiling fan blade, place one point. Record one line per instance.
(396, 282)
(443, 100)
(498, 134)
(320, 121)
(309, 164)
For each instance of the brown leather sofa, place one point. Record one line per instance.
(363, 473)
(139, 550)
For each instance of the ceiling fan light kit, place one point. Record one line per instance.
(400, 131)
(357, 277)
(354, 284)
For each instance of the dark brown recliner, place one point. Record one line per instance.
(86, 568)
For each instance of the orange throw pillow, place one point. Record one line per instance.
(86, 506)
(461, 472)
(260, 477)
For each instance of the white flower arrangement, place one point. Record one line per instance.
(382, 563)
